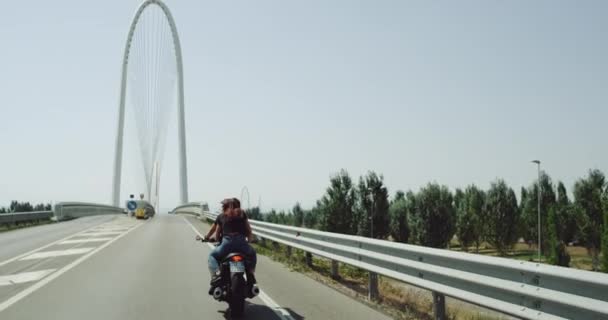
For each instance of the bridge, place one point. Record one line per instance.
(97, 262)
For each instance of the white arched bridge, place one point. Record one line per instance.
(98, 262)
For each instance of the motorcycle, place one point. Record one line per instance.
(231, 286)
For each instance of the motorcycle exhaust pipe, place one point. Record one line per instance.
(255, 290)
(217, 293)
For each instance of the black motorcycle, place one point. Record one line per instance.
(232, 285)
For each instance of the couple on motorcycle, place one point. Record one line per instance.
(233, 230)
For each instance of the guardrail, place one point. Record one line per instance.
(521, 289)
(199, 209)
(9, 219)
(71, 210)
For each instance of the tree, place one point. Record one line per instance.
(434, 216)
(458, 198)
(311, 217)
(17, 206)
(470, 217)
(530, 212)
(372, 202)
(557, 248)
(588, 201)
(565, 217)
(298, 215)
(336, 206)
(502, 213)
(398, 212)
(271, 217)
(254, 213)
(282, 218)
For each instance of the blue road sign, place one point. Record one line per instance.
(131, 205)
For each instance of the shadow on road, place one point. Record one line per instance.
(256, 311)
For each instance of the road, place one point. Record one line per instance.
(114, 267)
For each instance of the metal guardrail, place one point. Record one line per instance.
(521, 289)
(199, 209)
(71, 210)
(24, 217)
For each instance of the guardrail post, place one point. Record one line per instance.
(288, 251)
(309, 259)
(438, 306)
(372, 291)
(335, 274)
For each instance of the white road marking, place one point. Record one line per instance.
(280, 312)
(57, 253)
(14, 299)
(13, 279)
(85, 240)
(101, 233)
(45, 246)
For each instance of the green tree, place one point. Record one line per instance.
(298, 215)
(469, 224)
(434, 216)
(311, 217)
(271, 217)
(398, 211)
(282, 218)
(502, 215)
(336, 206)
(565, 216)
(254, 213)
(459, 198)
(372, 201)
(588, 202)
(17, 206)
(557, 248)
(530, 212)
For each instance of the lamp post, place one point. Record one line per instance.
(371, 217)
(539, 196)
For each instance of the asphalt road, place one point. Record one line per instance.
(121, 268)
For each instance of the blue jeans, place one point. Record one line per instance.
(231, 244)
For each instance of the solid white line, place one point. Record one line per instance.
(57, 253)
(13, 279)
(280, 312)
(96, 234)
(14, 299)
(46, 246)
(85, 240)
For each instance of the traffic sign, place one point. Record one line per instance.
(131, 205)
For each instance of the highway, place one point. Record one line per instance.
(114, 267)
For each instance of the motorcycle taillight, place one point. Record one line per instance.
(236, 258)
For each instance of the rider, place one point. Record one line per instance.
(233, 228)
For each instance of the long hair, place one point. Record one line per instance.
(232, 207)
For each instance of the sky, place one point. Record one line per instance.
(281, 95)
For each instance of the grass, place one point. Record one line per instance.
(4, 227)
(579, 257)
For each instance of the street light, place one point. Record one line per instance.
(371, 218)
(539, 195)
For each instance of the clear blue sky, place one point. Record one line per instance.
(456, 92)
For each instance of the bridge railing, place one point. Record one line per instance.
(9, 219)
(199, 209)
(522, 289)
(71, 210)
